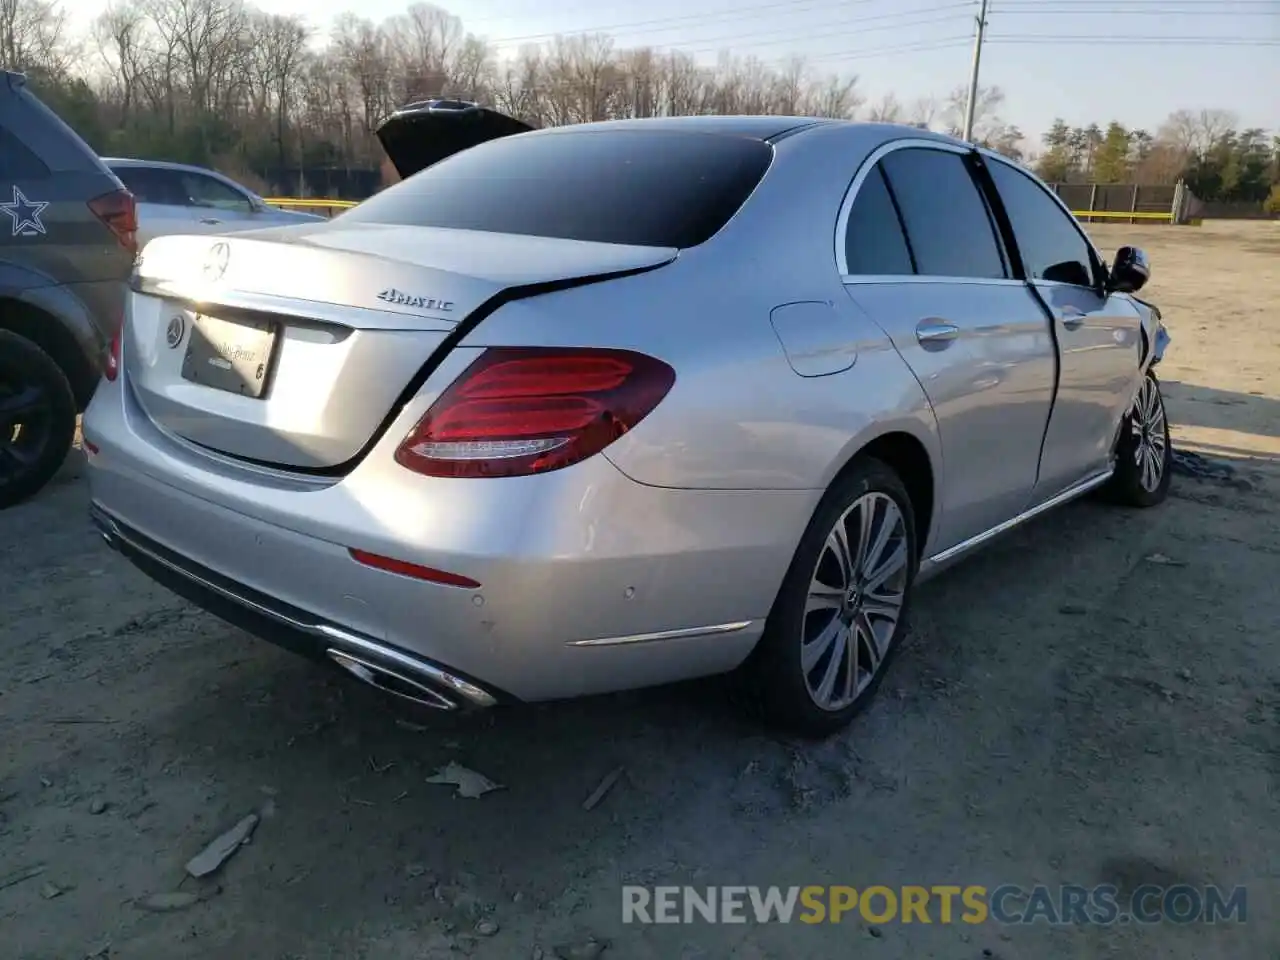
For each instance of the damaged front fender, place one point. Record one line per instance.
(1161, 343)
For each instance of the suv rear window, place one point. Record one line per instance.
(654, 188)
(17, 162)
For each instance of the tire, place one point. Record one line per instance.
(1144, 453)
(37, 418)
(783, 679)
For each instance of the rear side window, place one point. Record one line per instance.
(947, 223)
(17, 162)
(1052, 246)
(208, 192)
(874, 244)
(152, 185)
(650, 188)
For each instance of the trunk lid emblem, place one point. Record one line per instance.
(215, 264)
(174, 332)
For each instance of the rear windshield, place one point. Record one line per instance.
(654, 188)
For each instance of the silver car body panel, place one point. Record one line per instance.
(660, 558)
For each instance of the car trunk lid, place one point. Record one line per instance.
(291, 347)
(424, 133)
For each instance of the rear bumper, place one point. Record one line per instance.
(590, 582)
(282, 624)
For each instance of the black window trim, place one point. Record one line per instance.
(1099, 265)
(864, 171)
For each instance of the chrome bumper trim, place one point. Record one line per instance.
(680, 634)
(329, 634)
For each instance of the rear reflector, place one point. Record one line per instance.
(111, 366)
(414, 570)
(119, 212)
(522, 410)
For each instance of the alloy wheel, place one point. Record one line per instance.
(855, 601)
(26, 413)
(1147, 422)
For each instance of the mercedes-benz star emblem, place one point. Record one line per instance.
(173, 333)
(215, 264)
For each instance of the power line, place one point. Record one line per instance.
(1211, 12)
(1050, 38)
(774, 39)
(682, 21)
(942, 43)
(1161, 6)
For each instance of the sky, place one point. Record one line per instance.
(1085, 61)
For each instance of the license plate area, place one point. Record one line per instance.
(230, 355)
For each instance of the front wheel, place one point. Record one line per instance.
(1144, 454)
(842, 607)
(37, 418)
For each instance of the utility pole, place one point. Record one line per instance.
(972, 103)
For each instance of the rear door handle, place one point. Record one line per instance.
(936, 331)
(1072, 318)
(209, 220)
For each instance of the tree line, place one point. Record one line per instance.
(221, 83)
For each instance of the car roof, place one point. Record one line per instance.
(768, 128)
(159, 164)
(757, 128)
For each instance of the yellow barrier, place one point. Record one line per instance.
(319, 203)
(300, 203)
(1120, 215)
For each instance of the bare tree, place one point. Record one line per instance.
(120, 33)
(986, 107)
(33, 36)
(886, 110)
(1193, 134)
(834, 96)
(365, 58)
(277, 46)
(924, 112)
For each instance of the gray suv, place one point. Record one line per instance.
(68, 238)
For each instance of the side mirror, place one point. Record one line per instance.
(1130, 272)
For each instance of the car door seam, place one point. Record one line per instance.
(1057, 373)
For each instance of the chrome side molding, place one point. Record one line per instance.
(1071, 493)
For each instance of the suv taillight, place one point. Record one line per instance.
(111, 368)
(119, 212)
(522, 410)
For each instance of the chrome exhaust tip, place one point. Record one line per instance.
(390, 682)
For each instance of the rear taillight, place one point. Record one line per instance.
(111, 368)
(120, 213)
(522, 410)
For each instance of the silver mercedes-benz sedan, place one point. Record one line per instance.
(581, 409)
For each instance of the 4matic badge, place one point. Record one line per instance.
(400, 298)
(25, 214)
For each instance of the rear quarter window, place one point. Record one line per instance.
(874, 242)
(17, 161)
(647, 188)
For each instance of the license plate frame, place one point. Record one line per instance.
(235, 356)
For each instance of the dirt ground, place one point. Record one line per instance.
(1067, 710)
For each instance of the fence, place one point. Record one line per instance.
(318, 204)
(1125, 202)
